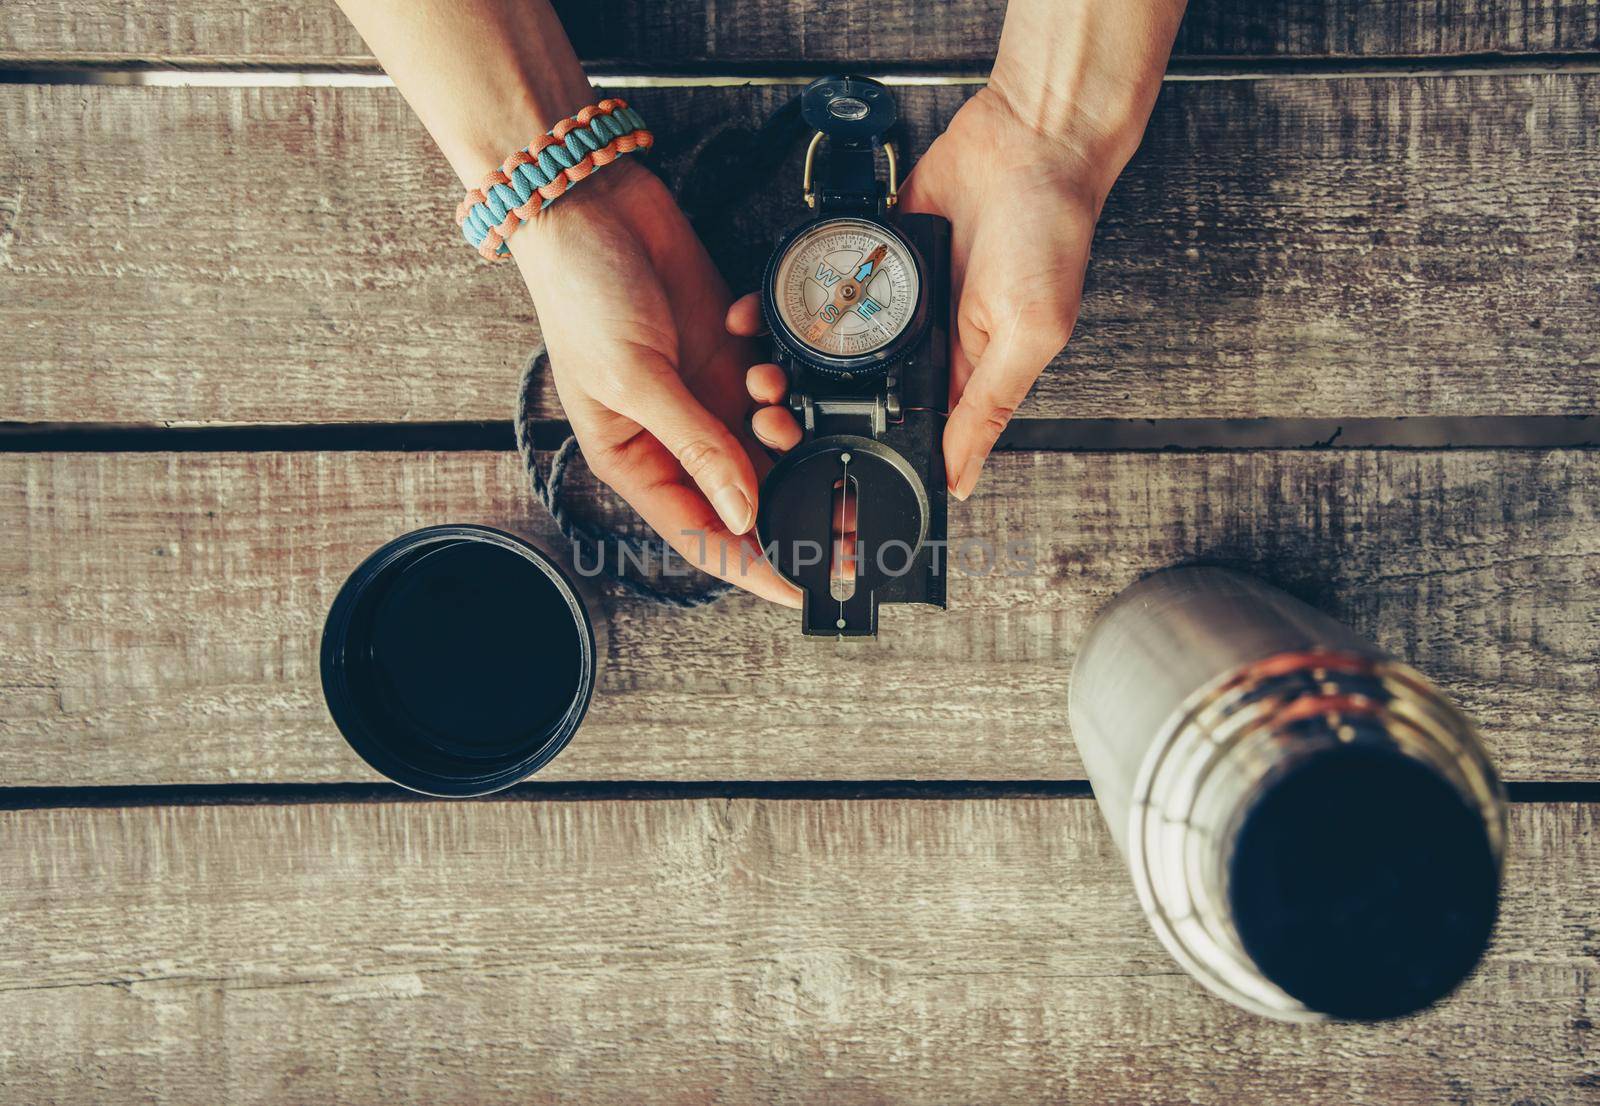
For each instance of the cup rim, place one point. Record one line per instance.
(355, 724)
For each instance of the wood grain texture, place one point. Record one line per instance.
(927, 32)
(1383, 247)
(706, 951)
(160, 614)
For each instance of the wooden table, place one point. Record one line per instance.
(1352, 278)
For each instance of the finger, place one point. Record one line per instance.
(744, 317)
(767, 383)
(844, 562)
(775, 428)
(920, 196)
(642, 472)
(704, 543)
(846, 539)
(965, 352)
(707, 451)
(760, 453)
(844, 511)
(998, 385)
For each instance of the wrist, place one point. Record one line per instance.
(1048, 150)
(530, 180)
(1085, 139)
(478, 142)
(603, 199)
(1085, 78)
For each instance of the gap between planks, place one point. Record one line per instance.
(1024, 435)
(174, 73)
(305, 794)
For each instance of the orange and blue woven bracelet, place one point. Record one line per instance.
(534, 177)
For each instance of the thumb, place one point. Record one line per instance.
(920, 195)
(1000, 381)
(659, 401)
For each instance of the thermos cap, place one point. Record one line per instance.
(1319, 834)
(457, 660)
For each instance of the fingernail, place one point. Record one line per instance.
(969, 479)
(735, 509)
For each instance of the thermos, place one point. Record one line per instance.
(1313, 829)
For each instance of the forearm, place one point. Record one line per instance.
(1085, 73)
(484, 76)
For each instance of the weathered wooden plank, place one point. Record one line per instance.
(705, 951)
(1363, 28)
(159, 614)
(927, 32)
(1378, 247)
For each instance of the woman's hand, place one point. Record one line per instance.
(630, 305)
(632, 309)
(1021, 173)
(1022, 209)
(1022, 212)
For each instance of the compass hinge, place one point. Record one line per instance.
(869, 415)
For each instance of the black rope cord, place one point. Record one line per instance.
(584, 535)
(722, 169)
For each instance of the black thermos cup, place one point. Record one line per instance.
(458, 660)
(1313, 829)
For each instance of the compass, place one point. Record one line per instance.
(857, 298)
(845, 296)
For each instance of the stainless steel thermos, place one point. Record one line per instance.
(1313, 829)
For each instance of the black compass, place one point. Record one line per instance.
(857, 301)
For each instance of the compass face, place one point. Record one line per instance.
(846, 289)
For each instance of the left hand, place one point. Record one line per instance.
(1022, 207)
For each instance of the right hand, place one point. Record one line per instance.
(632, 311)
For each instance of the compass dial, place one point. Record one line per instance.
(846, 290)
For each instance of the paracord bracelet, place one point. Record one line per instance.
(534, 177)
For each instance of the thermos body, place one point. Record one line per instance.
(1312, 828)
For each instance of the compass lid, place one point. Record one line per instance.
(850, 110)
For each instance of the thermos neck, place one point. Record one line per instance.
(1319, 833)
(1313, 829)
